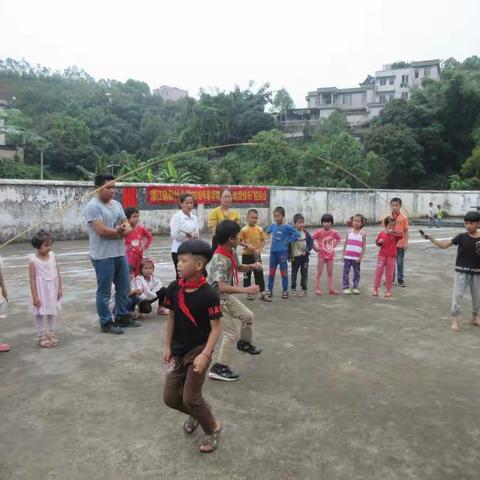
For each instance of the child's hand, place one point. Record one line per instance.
(252, 290)
(137, 291)
(36, 302)
(257, 266)
(167, 356)
(200, 363)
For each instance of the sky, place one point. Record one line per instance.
(191, 44)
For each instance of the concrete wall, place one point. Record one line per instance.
(26, 203)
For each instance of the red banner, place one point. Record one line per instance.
(165, 195)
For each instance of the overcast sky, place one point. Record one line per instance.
(296, 44)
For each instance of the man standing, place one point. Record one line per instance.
(107, 225)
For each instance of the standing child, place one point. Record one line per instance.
(252, 238)
(353, 252)
(300, 250)
(325, 240)
(46, 288)
(193, 328)
(467, 267)
(149, 288)
(4, 347)
(283, 235)
(401, 226)
(138, 241)
(432, 215)
(223, 273)
(387, 241)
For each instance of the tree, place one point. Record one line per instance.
(282, 102)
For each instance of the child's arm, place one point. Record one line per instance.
(148, 239)
(344, 248)
(364, 246)
(167, 351)
(443, 244)
(224, 287)
(200, 363)
(60, 284)
(33, 285)
(309, 241)
(262, 246)
(3, 287)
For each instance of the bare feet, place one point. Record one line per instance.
(475, 320)
(455, 326)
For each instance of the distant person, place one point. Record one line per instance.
(107, 228)
(252, 238)
(4, 347)
(300, 255)
(184, 225)
(283, 234)
(401, 226)
(193, 328)
(467, 267)
(46, 289)
(353, 253)
(440, 215)
(431, 215)
(325, 240)
(223, 212)
(138, 241)
(387, 241)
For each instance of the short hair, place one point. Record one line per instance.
(183, 196)
(40, 238)
(388, 221)
(196, 247)
(102, 179)
(129, 211)
(472, 216)
(326, 218)
(226, 230)
(361, 217)
(144, 262)
(252, 210)
(297, 217)
(396, 200)
(279, 210)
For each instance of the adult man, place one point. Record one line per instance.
(107, 225)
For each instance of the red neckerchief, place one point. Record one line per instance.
(229, 254)
(184, 284)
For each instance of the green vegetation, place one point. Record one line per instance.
(85, 126)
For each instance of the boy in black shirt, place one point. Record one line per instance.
(193, 328)
(467, 267)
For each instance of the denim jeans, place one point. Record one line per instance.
(400, 270)
(108, 271)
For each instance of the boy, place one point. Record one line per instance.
(283, 235)
(300, 253)
(138, 241)
(431, 215)
(252, 238)
(401, 226)
(467, 267)
(193, 328)
(223, 273)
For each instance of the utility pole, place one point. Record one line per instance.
(41, 164)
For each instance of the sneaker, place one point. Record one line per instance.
(222, 372)
(401, 284)
(111, 327)
(265, 298)
(347, 291)
(247, 347)
(356, 291)
(250, 297)
(294, 293)
(128, 322)
(285, 294)
(268, 293)
(302, 293)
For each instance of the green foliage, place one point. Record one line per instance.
(17, 169)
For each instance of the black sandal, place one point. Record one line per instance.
(211, 441)
(190, 425)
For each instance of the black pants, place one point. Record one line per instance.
(175, 262)
(258, 274)
(300, 263)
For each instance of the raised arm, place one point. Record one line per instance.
(443, 244)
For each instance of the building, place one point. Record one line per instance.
(170, 93)
(363, 103)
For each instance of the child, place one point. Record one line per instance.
(4, 347)
(440, 215)
(46, 288)
(353, 252)
(467, 267)
(283, 235)
(138, 241)
(401, 226)
(193, 328)
(300, 253)
(150, 288)
(252, 238)
(133, 299)
(325, 240)
(387, 241)
(223, 273)
(431, 215)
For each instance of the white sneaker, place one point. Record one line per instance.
(347, 291)
(250, 297)
(294, 293)
(356, 291)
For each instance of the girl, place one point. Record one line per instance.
(183, 225)
(353, 252)
(138, 241)
(148, 287)
(324, 242)
(387, 256)
(46, 288)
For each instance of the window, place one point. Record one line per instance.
(383, 99)
(383, 81)
(317, 101)
(405, 95)
(326, 98)
(426, 72)
(416, 74)
(404, 78)
(347, 99)
(391, 81)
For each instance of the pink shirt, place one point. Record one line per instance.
(354, 245)
(325, 241)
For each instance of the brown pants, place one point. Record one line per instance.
(183, 391)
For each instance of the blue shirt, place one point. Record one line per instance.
(282, 236)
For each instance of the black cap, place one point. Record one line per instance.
(196, 247)
(472, 217)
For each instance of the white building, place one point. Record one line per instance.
(170, 93)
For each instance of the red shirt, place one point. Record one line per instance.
(138, 240)
(389, 246)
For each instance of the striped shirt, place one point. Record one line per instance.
(354, 245)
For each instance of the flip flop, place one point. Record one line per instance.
(211, 441)
(190, 425)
